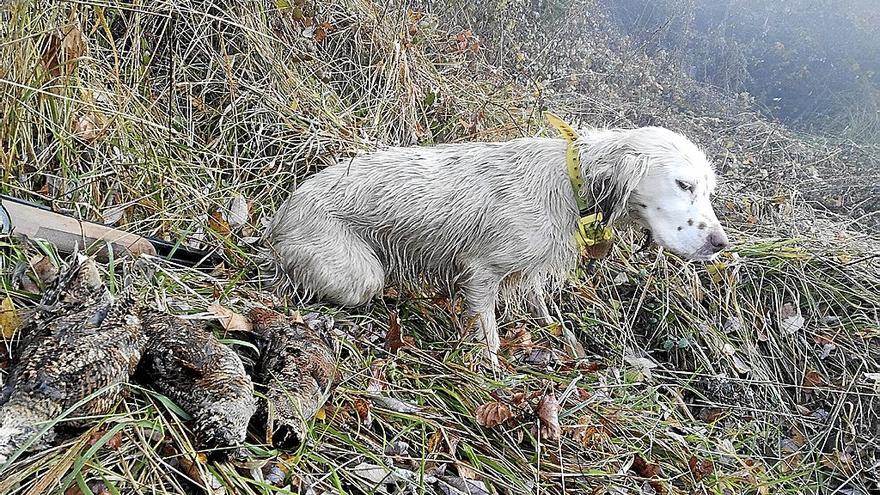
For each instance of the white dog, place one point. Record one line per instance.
(485, 218)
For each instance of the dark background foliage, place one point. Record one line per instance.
(810, 63)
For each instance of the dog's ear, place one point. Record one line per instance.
(612, 168)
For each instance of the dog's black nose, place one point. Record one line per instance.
(718, 240)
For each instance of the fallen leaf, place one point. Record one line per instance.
(362, 408)
(275, 475)
(700, 469)
(218, 224)
(711, 414)
(85, 127)
(439, 442)
(648, 470)
(790, 319)
(741, 367)
(196, 470)
(394, 339)
(463, 40)
(73, 44)
(397, 448)
(548, 416)
(114, 442)
(458, 485)
(585, 431)
(231, 321)
(380, 475)
(392, 404)
(813, 378)
(541, 357)
(732, 325)
(492, 414)
(61, 49)
(376, 382)
(518, 339)
(322, 31)
(716, 271)
(644, 468)
(237, 211)
(9, 320)
(642, 364)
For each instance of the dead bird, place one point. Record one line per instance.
(79, 347)
(185, 361)
(297, 367)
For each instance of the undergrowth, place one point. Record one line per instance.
(190, 121)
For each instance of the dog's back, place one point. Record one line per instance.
(447, 214)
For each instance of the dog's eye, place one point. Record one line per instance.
(685, 186)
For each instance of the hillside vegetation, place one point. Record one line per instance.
(190, 121)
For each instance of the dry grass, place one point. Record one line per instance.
(157, 116)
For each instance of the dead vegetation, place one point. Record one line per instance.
(190, 120)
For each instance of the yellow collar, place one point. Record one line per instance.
(590, 228)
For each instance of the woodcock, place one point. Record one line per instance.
(297, 369)
(78, 349)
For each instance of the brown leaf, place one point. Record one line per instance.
(518, 339)
(322, 30)
(362, 408)
(114, 442)
(585, 432)
(711, 414)
(492, 414)
(394, 339)
(648, 470)
(218, 224)
(85, 128)
(548, 416)
(644, 468)
(443, 442)
(231, 321)
(194, 468)
(50, 56)
(813, 378)
(62, 48)
(72, 44)
(700, 469)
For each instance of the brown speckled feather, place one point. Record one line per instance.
(297, 369)
(187, 363)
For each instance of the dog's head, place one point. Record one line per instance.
(662, 181)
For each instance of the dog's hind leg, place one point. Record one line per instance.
(329, 263)
(537, 305)
(480, 296)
